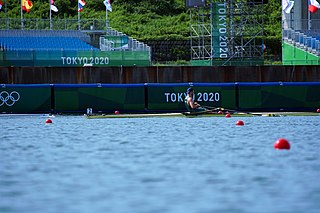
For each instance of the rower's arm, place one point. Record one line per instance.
(192, 104)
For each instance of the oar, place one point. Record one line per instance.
(226, 110)
(210, 107)
(213, 108)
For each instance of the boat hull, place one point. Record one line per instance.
(187, 114)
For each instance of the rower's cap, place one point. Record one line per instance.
(189, 90)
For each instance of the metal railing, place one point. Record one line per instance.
(132, 44)
(69, 24)
(303, 40)
(303, 33)
(301, 24)
(53, 24)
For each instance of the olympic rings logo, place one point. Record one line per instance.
(9, 98)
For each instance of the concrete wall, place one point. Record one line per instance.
(158, 74)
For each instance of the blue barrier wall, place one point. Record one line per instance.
(106, 98)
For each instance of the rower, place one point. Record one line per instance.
(190, 104)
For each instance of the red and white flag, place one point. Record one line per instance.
(313, 6)
(53, 7)
(107, 3)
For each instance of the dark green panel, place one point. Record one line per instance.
(27, 99)
(313, 95)
(111, 98)
(281, 96)
(78, 99)
(171, 97)
(66, 99)
(249, 97)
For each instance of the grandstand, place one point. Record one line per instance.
(115, 40)
(307, 40)
(301, 35)
(44, 40)
(68, 47)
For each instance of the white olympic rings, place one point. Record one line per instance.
(9, 98)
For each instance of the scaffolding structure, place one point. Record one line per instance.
(227, 32)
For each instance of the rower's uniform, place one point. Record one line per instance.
(186, 104)
(198, 109)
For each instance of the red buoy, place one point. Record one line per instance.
(48, 121)
(282, 143)
(116, 112)
(318, 110)
(240, 123)
(228, 115)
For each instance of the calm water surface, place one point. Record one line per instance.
(151, 165)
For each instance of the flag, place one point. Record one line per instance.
(313, 6)
(107, 3)
(53, 7)
(287, 6)
(26, 5)
(1, 5)
(81, 4)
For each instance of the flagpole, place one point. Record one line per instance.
(309, 20)
(79, 21)
(5, 10)
(50, 14)
(107, 22)
(22, 24)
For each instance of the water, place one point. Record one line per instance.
(150, 165)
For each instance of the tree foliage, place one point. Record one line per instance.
(141, 19)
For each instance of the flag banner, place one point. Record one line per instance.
(287, 6)
(26, 5)
(219, 31)
(313, 6)
(107, 3)
(53, 7)
(1, 5)
(81, 4)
